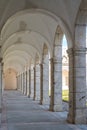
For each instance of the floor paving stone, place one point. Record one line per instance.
(22, 113)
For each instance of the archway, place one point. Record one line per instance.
(10, 82)
(65, 75)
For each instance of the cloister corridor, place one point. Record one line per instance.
(22, 113)
(43, 86)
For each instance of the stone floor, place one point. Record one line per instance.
(22, 113)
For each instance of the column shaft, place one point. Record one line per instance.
(51, 85)
(23, 82)
(41, 84)
(29, 83)
(1, 71)
(26, 82)
(46, 99)
(77, 86)
(34, 83)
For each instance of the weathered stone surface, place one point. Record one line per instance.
(32, 83)
(77, 86)
(46, 98)
(57, 74)
(38, 82)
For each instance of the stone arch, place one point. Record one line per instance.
(19, 53)
(27, 38)
(43, 12)
(25, 48)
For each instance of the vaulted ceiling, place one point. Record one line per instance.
(26, 25)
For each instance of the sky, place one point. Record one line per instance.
(64, 43)
(64, 46)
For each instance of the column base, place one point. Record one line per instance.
(37, 98)
(25, 93)
(51, 108)
(79, 118)
(55, 108)
(46, 101)
(58, 108)
(34, 98)
(28, 96)
(41, 102)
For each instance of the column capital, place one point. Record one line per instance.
(79, 51)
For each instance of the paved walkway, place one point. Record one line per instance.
(22, 113)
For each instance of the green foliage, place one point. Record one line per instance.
(65, 95)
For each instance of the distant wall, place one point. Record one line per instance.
(10, 79)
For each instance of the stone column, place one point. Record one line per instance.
(51, 85)
(23, 82)
(26, 83)
(17, 81)
(41, 84)
(34, 69)
(32, 83)
(2, 78)
(1, 72)
(29, 83)
(77, 86)
(57, 70)
(46, 99)
(1, 85)
(20, 81)
(38, 82)
(77, 78)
